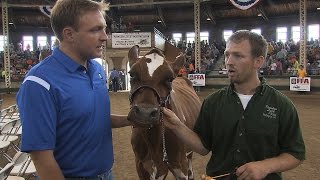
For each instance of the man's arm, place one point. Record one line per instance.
(190, 138)
(260, 169)
(46, 166)
(118, 121)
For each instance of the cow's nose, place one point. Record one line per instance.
(151, 113)
(154, 113)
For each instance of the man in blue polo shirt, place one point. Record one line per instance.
(114, 76)
(63, 101)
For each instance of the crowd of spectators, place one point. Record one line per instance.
(283, 58)
(21, 61)
(210, 53)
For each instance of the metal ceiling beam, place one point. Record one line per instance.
(28, 5)
(154, 3)
(209, 13)
(160, 14)
(136, 12)
(263, 14)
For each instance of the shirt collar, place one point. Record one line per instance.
(260, 89)
(66, 61)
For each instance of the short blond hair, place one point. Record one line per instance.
(68, 13)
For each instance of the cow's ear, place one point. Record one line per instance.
(133, 55)
(178, 63)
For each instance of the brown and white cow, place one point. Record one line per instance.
(154, 85)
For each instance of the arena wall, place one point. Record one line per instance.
(280, 82)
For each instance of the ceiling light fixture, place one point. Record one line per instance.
(10, 23)
(318, 8)
(159, 21)
(208, 19)
(259, 14)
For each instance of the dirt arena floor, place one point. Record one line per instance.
(308, 106)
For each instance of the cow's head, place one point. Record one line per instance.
(151, 78)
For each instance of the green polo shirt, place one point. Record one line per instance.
(267, 127)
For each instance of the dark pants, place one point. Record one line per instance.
(115, 84)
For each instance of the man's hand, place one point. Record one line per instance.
(172, 121)
(252, 171)
(190, 138)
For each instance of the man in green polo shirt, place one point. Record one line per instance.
(251, 129)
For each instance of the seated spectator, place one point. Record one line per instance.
(3, 74)
(279, 67)
(301, 72)
(182, 72)
(191, 68)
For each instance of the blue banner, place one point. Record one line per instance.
(244, 4)
(46, 10)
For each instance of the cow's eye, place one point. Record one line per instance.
(133, 76)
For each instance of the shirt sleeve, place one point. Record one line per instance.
(203, 126)
(38, 115)
(290, 136)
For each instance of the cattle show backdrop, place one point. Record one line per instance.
(127, 40)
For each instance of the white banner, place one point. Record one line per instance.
(46, 10)
(197, 79)
(127, 40)
(244, 4)
(300, 84)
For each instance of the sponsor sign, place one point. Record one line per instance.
(300, 84)
(197, 79)
(127, 40)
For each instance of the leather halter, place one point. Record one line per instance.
(163, 101)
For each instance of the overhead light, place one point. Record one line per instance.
(11, 23)
(318, 8)
(208, 19)
(137, 30)
(159, 21)
(259, 14)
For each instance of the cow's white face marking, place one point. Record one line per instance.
(190, 169)
(153, 171)
(179, 174)
(156, 61)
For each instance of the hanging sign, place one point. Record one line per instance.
(127, 40)
(244, 4)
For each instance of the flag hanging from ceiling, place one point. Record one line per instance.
(46, 10)
(244, 4)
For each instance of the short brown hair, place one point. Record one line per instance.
(259, 45)
(68, 12)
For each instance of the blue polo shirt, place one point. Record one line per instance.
(66, 108)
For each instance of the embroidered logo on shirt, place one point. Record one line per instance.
(270, 112)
